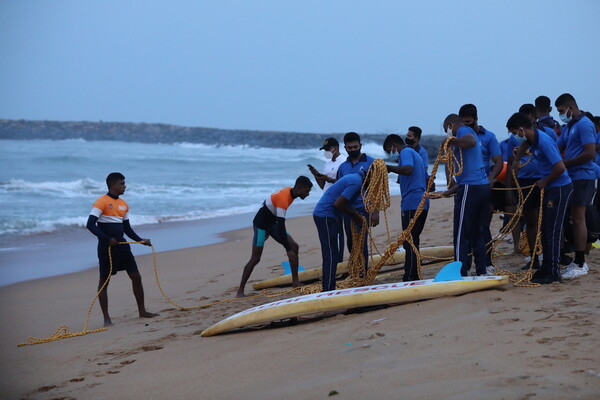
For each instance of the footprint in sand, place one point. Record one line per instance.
(150, 348)
(77, 380)
(45, 388)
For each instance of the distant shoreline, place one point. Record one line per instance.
(165, 133)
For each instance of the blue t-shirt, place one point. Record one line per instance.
(412, 186)
(473, 171)
(347, 167)
(550, 132)
(504, 149)
(529, 169)
(424, 157)
(546, 153)
(575, 135)
(347, 186)
(489, 147)
(597, 158)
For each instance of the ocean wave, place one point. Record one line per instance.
(76, 188)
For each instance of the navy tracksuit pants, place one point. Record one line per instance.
(556, 203)
(329, 230)
(471, 213)
(411, 272)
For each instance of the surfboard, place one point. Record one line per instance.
(316, 273)
(447, 282)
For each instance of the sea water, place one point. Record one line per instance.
(47, 188)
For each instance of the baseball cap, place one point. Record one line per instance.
(327, 143)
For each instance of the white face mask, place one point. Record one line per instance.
(449, 131)
(328, 155)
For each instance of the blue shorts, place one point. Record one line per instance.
(583, 192)
(261, 235)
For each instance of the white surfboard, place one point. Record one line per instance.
(316, 273)
(447, 282)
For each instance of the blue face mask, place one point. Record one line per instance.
(519, 139)
(395, 156)
(564, 118)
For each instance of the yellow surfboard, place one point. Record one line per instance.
(316, 273)
(448, 283)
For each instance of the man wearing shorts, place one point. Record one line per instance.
(578, 141)
(109, 221)
(558, 190)
(270, 221)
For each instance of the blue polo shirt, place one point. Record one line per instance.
(424, 156)
(575, 135)
(504, 150)
(347, 167)
(473, 171)
(546, 153)
(412, 186)
(597, 158)
(550, 132)
(347, 186)
(489, 147)
(529, 170)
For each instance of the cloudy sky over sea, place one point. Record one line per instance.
(310, 66)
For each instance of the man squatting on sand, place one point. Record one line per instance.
(270, 221)
(109, 221)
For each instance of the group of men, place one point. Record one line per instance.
(544, 154)
(562, 160)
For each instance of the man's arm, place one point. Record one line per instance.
(466, 142)
(498, 164)
(401, 170)
(341, 204)
(589, 150)
(282, 232)
(557, 170)
(129, 232)
(93, 227)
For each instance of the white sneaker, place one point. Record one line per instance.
(573, 271)
(490, 270)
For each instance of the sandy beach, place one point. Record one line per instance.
(513, 343)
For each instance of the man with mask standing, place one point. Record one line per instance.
(472, 201)
(356, 162)
(578, 141)
(334, 159)
(412, 179)
(413, 139)
(490, 150)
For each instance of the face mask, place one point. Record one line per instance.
(520, 139)
(395, 156)
(354, 153)
(409, 142)
(449, 132)
(328, 155)
(564, 118)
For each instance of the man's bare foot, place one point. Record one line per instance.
(108, 322)
(240, 294)
(147, 314)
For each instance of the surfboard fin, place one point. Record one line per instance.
(450, 272)
(287, 268)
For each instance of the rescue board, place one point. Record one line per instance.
(316, 273)
(447, 282)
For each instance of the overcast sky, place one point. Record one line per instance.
(306, 66)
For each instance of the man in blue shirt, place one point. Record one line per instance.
(334, 203)
(557, 192)
(472, 201)
(413, 139)
(544, 119)
(490, 150)
(412, 177)
(578, 140)
(356, 162)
